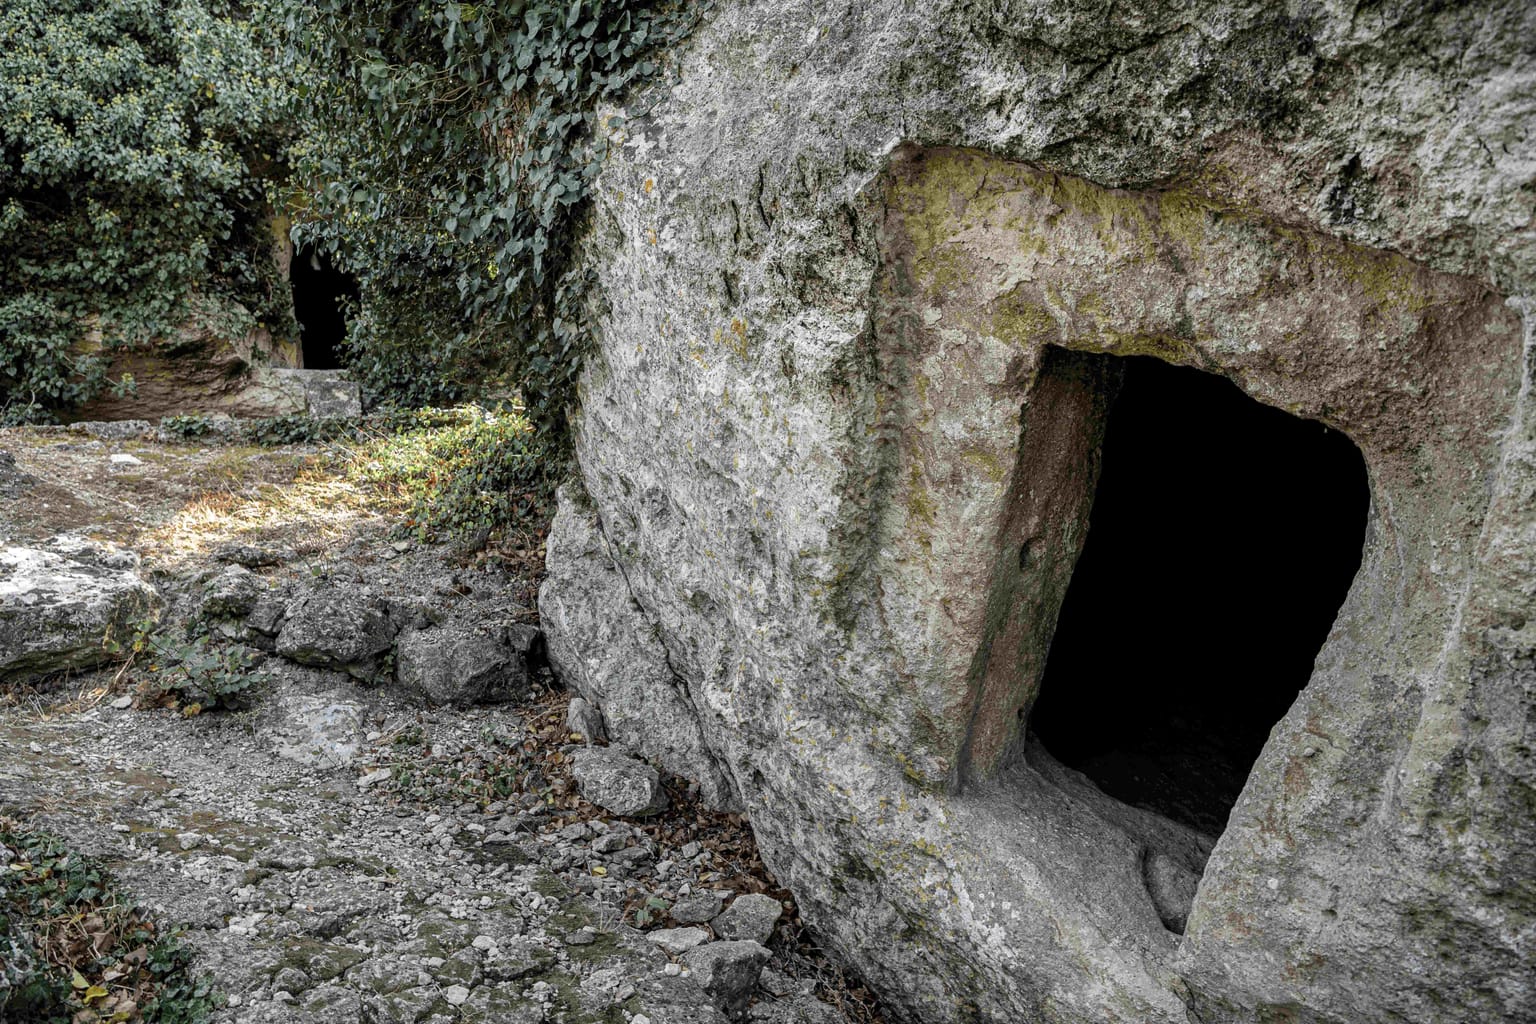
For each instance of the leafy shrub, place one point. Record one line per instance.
(78, 950)
(186, 427)
(487, 471)
(449, 163)
(296, 429)
(187, 669)
(129, 131)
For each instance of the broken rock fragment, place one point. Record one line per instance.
(59, 602)
(751, 916)
(332, 627)
(728, 971)
(618, 783)
(465, 664)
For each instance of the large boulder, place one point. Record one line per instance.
(338, 627)
(60, 603)
(857, 264)
(465, 663)
(218, 363)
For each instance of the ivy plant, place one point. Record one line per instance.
(448, 154)
(134, 135)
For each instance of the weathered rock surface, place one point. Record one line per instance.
(856, 262)
(337, 627)
(465, 664)
(320, 394)
(728, 971)
(59, 602)
(200, 369)
(617, 782)
(12, 480)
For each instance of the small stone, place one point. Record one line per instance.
(401, 546)
(581, 938)
(671, 970)
(584, 720)
(484, 942)
(456, 995)
(610, 843)
(291, 979)
(678, 940)
(373, 778)
(728, 971)
(751, 917)
(123, 703)
(696, 909)
(617, 782)
(123, 459)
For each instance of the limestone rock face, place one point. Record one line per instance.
(59, 602)
(857, 265)
(202, 368)
(645, 705)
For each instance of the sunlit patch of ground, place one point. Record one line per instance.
(317, 510)
(181, 502)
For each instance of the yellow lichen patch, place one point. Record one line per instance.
(1024, 323)
(1387, 280)
(987, 462)
(920, 504)
(1185, 218)
(739, 333)
(1118, 216)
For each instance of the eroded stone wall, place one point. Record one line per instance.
(839, 454)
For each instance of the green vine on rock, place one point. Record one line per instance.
(130, 134)
(447, 159)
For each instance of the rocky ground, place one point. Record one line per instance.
(367, 841)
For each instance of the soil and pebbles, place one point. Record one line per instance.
(343, 851)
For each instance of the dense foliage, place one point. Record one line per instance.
(448, 156)
(73, 949)
(462, 472)
(131, 137)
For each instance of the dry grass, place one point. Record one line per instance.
(317, 510)
(185, 501)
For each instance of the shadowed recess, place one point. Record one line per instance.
(1224, 537)
(320, 295)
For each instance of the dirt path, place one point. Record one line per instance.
(311, 900)
(341, 852)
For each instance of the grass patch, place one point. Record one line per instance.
(72, 950)
(465, 473)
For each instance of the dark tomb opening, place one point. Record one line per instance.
(321, 294)
(1224, 536)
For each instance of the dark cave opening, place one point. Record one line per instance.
(1223, 538)
(321, 295)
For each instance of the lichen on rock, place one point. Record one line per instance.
(931, 223)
